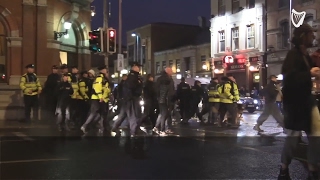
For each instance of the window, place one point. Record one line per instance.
(251, 3)
(171, 63)
(250, 36)
(306, 1)
(308, 19)
(164, 65)
(221, 7)
(235, 6)
(130, 53)
(283, 3)
(178, 66)
(285, 34)
(203, 58)
(235, 38)
(158, 67)
(222, 41)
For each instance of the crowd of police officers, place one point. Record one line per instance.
(81, 99)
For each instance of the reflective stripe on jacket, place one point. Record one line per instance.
(225, 93)
(27, 85)
(213, 93)
(101, 88)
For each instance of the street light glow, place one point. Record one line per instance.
(67, 25)
(204, 66)
(133, 34)
(216, 71)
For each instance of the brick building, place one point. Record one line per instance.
(27, 36)
(238, 30)
(157, 37)
(278, 28)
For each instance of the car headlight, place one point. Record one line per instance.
(255, 101)
(142, 102)
(239, 102)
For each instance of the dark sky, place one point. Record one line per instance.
(136, 13)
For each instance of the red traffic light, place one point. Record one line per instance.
(111, 33)
(93, 35)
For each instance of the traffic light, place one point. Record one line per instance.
(111, 41)
(96, 43)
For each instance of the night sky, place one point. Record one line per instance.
(136, 13)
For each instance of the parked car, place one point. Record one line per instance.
(249, 104)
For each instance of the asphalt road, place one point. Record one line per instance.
(196, 152)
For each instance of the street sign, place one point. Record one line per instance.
(228, 59)
(120, 62)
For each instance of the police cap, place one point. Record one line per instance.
(135, 64)
(74, 67)
(63, 66)
(84, 72)
(224, 78)
(29, 66)
(102, 67)
(65, 74)
(55, 67)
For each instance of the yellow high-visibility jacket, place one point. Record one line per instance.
(75, 86)
(30, 82)
(213, 93)
(83, 90)
(101, 88)
(236, 92)
(225, 93)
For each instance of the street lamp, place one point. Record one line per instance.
(204, 67)
(67, 26)
(136, 47)
(93, 10)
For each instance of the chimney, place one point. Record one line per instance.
(202, 22)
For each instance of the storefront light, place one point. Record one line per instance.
(251, 68)
(257, 77)
(280, 77)
(178, 76)
(216, 71)
(113, 76)
(124, 71)
(178, 70)
(204, 67)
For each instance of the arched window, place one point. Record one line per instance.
(3, 50)
(284, 34)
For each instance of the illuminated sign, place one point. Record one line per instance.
(297, 18)
(236, 67)
(253, 59)
(241, 61)
(228, 59)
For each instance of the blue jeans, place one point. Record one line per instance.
(279, 104)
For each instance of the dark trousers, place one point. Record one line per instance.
(51, 103)
(184, 108)
(149, 115)
(231, 108)
(213, 112)
(132, 111)
(194, 109)
(82, 111)
(63, 113)
(31, 102)
(98, 114)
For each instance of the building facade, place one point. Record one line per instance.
(238, 30)
(27, 36)
(144, 41)
(278, 28)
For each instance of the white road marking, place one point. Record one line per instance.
(33, 160)
(23, 136)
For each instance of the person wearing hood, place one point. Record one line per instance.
(150, 101)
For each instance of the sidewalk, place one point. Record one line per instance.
(19, 125)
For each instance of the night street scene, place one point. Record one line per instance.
(159, 89)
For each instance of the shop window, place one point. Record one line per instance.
(158, 68)
(178, 66)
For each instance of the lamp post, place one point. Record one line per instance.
(67, 26)
(290, 24)
(137, 47)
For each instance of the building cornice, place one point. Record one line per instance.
(170, 51)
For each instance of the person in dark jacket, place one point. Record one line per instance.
(131, 109)
(165, 94)
(183, 96)
(49, 90)
(298, 102)
(117, 92)
(271, 108)
(64, 91)
(150, 101)
(197, 93)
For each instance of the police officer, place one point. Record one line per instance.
(64, 91)
(74, 108)
(197, 93)
(236, 97)
(99, 101)
(131, 92)
(83, 97)
(183, 95)
(31, 88)
(49, 90)
(227, 99)
(214, 101)
(63, 70)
